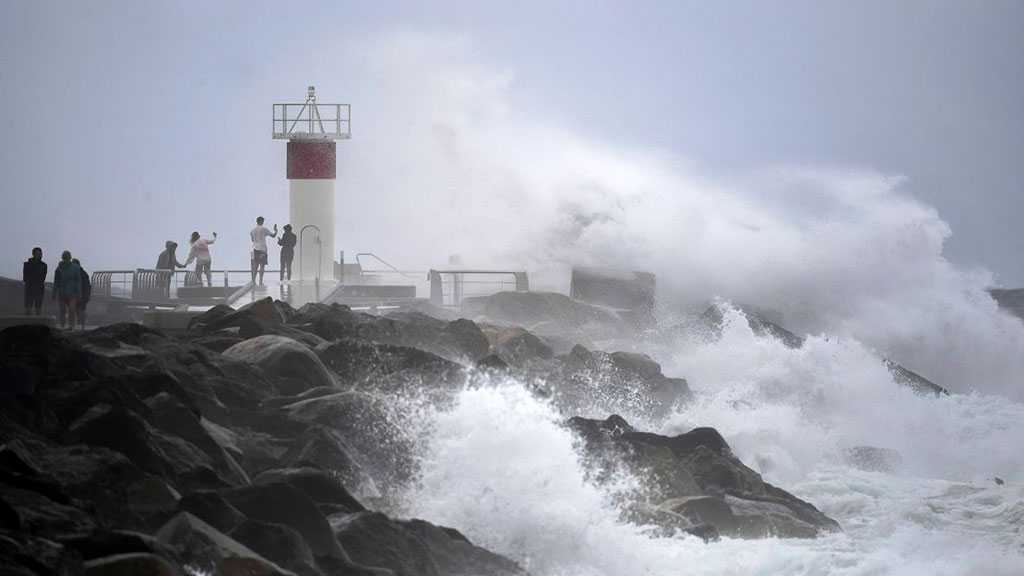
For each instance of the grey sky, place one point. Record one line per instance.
(155, 107)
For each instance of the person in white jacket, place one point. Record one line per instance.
(200, 252)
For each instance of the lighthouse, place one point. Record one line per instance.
(312, 130)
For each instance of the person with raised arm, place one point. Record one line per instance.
(200, 252)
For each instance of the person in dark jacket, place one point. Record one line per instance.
(287, 243)
(67, 289)
(168, 260)
(86, 294)
(33, 274)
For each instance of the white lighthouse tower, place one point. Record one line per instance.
(311, 129)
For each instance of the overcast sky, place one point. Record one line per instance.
(127, 123)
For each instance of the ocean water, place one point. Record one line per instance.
(500, 467)
(846, 254)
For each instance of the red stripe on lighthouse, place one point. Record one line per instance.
(311, 160)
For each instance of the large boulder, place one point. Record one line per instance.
(519, 347)
(118, 493)
(153, 451)
(547, 314)
(388, 367)
(203, 546)
(379, 441)
(696, 476)
(599, 383)
(295, 366)
(319, 486)
(279, 544)
(281, 503)
(415, 548)
(324, 448)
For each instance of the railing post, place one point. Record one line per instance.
(436, 293)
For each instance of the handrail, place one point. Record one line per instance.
(381, 260)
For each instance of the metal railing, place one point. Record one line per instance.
(450, 287)
(312, 121)
(151, 285)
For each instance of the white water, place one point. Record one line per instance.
(500, 468)
(839, 251)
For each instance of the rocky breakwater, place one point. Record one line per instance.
(269, 440)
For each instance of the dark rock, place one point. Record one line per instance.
(465, 337)
(546, 313)
(282, 504)
(284, 358)
(599, 383)
(388, 367)
(218, 342)
(173, 417)
(22, 554)
(116, 491)
(492, 362)
(915, 381)
(212, 508)
(151, 450)
(415, 548)
(38, 514)
(381, 444)
(133, 564)
(696, 476)
(321, 447)
(279, 544)
(319, 486)
(105, 542)
(517, 347)
(202, 546)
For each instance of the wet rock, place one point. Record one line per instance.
(203, 547)
(319, 486)
(415, 548)
(212, 508)
(518, 347)
(22, 554)
(173, 417)
(117, 492)
(465, 337)
(105, 542)
(915, 381)
(598, 383)
(696, 476)
(126, 432)
(388, 367)
(324, 448)
(282, 504)
(133, 564)
(279, 544)
(873, 459)
(378, 441)
(284, 358)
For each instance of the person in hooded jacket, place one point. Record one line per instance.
(67, 289)
(168, 259)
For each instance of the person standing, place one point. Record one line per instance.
(67, 289)
(287, 243)
(259, 236)
(33, 274)
(86, 293)
(200, 252)
(168, 259)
